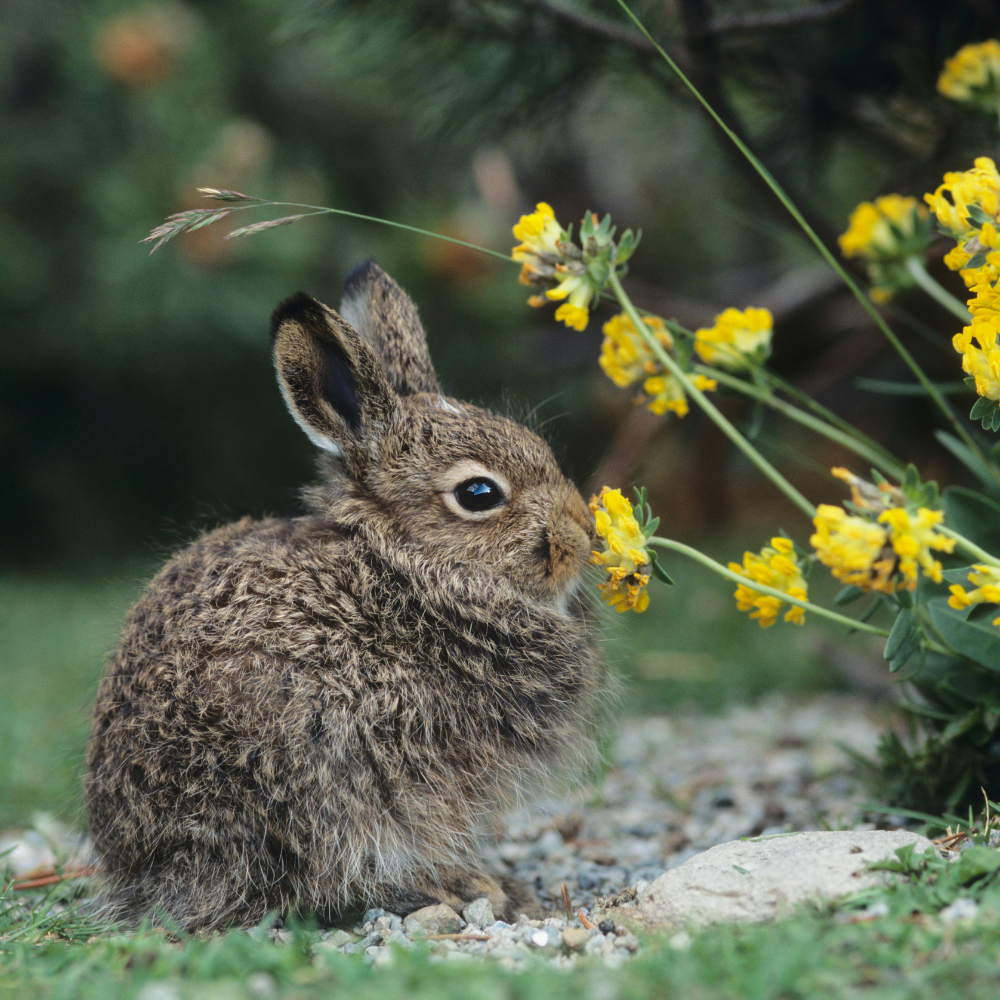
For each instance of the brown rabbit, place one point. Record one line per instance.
(331, 711)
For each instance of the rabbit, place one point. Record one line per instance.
(333, 711)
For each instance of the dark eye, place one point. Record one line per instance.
(479, 494)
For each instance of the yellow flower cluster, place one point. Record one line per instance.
(884, 233)
(547, 256)
(736, 339)
(964, 204)
(625, 356)
(625, 558)
(963, 195)
(871, 557)
(972, 75)
(982, 362)
(626, 359)
(777, 567)
(854, 549)
(987, 582)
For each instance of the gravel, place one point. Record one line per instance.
(676, 785)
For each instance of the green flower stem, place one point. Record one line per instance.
(848, 441)
(829, 416)
(888, 460)
(916, 270)
(699, 397)
(824, 251)
(970, 547)
(745, 581)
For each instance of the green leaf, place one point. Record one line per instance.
(658, 571)
(848, 594)
(976, 260)
(977, 861)
(978, 215)
(649, 528)
(980, 407)
(890, 388)
(973, 515)
(977, 640)
(904, 640)
(987, 411)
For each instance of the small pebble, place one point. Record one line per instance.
(575, 938)
(437, 919)
(337, 939)
(479, 913)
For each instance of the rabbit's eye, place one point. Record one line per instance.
(479, 494)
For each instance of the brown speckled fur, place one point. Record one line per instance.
(332, 711)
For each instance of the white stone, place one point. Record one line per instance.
(756, 880)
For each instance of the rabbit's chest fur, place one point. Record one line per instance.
(282, 682)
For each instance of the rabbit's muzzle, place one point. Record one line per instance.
(569, 538)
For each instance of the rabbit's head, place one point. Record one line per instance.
(456, 484)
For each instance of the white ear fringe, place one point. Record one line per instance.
(320, 440)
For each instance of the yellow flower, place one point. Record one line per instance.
(884, 233)
(972, 75)
(982, 362)
(979, 187)
(775, 567)
(625, 558)
(539, 233)
(735, 338)
(664, 393)
(625, 356)
(548, 257)
(854, 549)
(627, 359)
(912, 539)
(579, 291)
(882, 229)
(987, 581)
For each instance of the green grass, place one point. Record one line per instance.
(690, 647)
(54, 637)
(908, 953)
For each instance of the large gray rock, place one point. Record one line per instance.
(755, 880)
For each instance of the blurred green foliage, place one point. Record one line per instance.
(136, 399)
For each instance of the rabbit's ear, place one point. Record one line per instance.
(387, 320)
(332, 381)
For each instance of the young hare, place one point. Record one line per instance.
(334, 710)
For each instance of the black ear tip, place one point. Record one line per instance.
(297, 307)
(365, 273)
